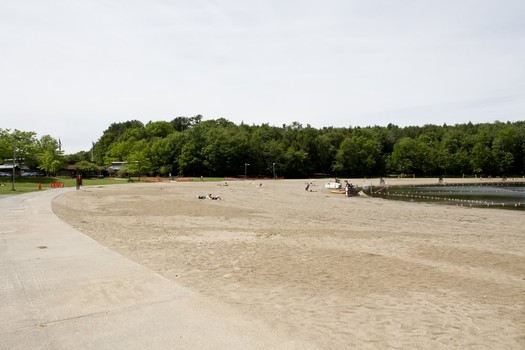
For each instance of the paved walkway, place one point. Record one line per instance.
(59, 289)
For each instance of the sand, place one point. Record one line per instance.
(324, 269)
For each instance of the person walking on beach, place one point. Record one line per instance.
(79, 181)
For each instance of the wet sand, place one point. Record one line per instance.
(326, 270)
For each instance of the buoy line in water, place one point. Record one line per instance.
(489, 194)
(459, 201)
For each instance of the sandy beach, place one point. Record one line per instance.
(326, 270)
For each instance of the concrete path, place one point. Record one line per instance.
(59, 289)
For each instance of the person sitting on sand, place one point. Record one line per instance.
(309, 186)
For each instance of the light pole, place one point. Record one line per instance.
(246, 170)
(274, 177)
(14, 161)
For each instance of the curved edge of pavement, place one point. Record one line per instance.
(59, 289)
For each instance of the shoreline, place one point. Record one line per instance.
(413, 181)
(392, 181)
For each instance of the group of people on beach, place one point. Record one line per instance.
(209, 196)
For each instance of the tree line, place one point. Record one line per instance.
(191, 146)
(44, 153)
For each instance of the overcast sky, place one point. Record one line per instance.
(71, 68)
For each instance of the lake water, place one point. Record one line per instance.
(504, 196)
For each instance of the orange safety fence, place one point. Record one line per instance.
(56, 184)
(152, 179)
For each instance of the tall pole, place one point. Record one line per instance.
(274, 177)
(246, 170)
(14, 163)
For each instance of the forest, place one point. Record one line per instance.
(191, 146)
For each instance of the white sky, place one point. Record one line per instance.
(70, 68)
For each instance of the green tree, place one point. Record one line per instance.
(190, 161)
(111, 135)
(159, 129)
(138, 159)
(176, 141)
(405, 158)
(26, 145)
(184, 123)
(481, 159)
(227, 148)
(6, 145)
(297, 163)
(219, 147)
(357, 156)
(77, 157)
(160, 156)
(505, 146)
(84, 167)
(50, 156)
(118, 151)
(426, 148)
(274, 153)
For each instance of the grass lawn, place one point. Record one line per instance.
(30, 184)
(207, 179)
(23, 185)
